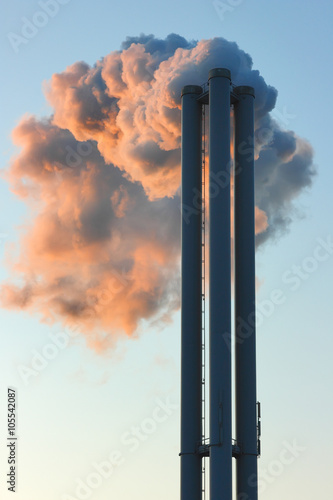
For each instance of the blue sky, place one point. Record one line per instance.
(76, 410)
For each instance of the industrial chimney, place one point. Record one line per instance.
(220, 96)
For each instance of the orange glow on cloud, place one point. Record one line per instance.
(102, 178)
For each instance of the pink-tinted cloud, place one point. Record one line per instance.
(102, 177)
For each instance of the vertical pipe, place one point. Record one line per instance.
(245, 348)
(191, 317)
(220, 285)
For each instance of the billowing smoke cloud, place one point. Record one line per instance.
(103, 175)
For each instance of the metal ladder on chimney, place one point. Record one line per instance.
(203, 302)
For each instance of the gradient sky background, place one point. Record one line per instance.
(75, 412)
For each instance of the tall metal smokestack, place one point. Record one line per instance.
(220, 449)
(245, 349)
(191, 316)
(219, 285)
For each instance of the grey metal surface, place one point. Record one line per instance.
(191, 318)
(220, 285)
(245, 335)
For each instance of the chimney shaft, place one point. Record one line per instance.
(219, 285)
(191, 316)
(245, 334)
